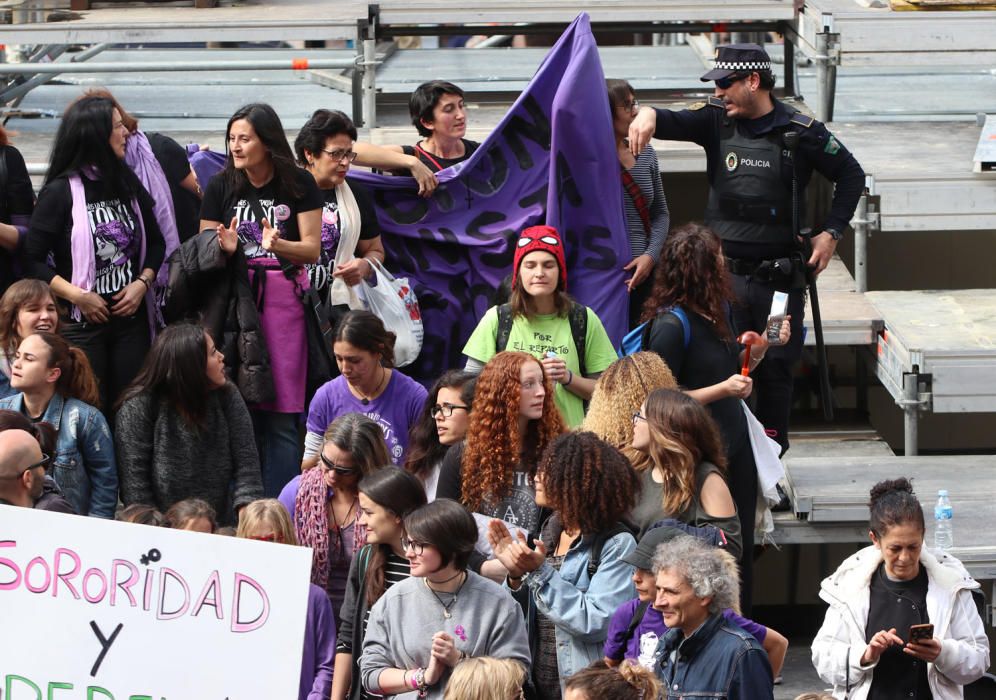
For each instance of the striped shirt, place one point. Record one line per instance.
(396, 569)
(646, 173)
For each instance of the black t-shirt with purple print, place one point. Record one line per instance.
(320, 275)
(221, 204)
(113, 225)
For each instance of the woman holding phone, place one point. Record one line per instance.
(901, 622)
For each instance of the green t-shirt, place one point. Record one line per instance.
(542, 334)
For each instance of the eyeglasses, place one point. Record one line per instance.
(446, 409)
(727, 82)
(274, 537)
(638, 416)
(408, 544)
(45, 463)
(332, 466)
(340, 153)
(631, 106)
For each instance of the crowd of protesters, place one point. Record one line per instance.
(573, 525)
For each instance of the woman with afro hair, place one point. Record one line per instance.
(491, 472)
(590, 486)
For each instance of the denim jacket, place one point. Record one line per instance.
(580, 606)
(84, 465)
(720, 660)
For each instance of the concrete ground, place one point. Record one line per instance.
(798, 674)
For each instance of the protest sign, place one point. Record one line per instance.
(100, 610)
(552, 159)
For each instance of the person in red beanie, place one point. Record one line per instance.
(542, 320)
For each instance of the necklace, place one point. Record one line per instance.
(456, 593)
(345, 521)
(364, 399)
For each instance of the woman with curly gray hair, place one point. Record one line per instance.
(714, 658)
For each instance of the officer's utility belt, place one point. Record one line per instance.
(787, 273)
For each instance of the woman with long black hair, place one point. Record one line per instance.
(96, 221)
(270, 210)
(183, 429)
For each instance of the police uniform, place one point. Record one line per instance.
(750, 172)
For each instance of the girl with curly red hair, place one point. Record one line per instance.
(513, 421)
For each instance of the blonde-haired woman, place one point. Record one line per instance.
(619, 392)
(686, 480)
(267, 520)
(486, 678)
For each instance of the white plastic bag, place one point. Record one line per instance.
(769, 471)
(393, 301)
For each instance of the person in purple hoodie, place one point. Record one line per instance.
(267, 520)
(364, 351)
(637, 626)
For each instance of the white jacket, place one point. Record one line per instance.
(840, 642)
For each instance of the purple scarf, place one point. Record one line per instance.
(139, 157)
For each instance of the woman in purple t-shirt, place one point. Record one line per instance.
(364, 351)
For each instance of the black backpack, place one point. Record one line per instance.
(577, 316)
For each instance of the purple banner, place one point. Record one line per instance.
(551, 159)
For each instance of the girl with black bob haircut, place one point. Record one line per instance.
(182, 428)
(98, 223)
(867, 646)
(351, 244)
(386, 497)
(576, 575)
(443, 423)
(265, 214)
(473, 616)
(367, 384)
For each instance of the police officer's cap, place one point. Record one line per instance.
(738, 58)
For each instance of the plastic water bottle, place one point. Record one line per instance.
(943, 517)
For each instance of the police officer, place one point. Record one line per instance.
(750, 171)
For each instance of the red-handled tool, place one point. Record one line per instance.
(747, 339)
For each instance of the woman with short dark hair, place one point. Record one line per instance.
(183, 430)
(270, 210)
(350, 235)
(473, 616)
(866, 647)
(368, 384)
(98, 224)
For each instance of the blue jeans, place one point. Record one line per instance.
(279, 447)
